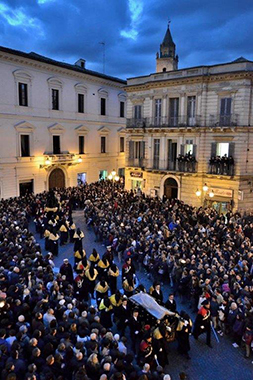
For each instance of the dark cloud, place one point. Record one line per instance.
(204, 32)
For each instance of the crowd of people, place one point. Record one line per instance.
(186, 162)
(77, 324)
(222, 165)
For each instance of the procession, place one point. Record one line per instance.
(94, 319)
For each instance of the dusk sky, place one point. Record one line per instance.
(205, 32)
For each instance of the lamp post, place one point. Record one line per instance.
(205, 193)
(113, 176)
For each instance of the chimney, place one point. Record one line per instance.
(80, 63)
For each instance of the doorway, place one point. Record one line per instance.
(222, 207)
(81, 179)
(26, 187)
(56, 179)
(171, 188)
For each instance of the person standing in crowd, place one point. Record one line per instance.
(203, 322)
(66, 270)
(78, 240)
(183, 331)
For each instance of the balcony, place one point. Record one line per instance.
(135, 162)
(223, 120)
(221, 166)
(165, 122)
(63, 157)
(164, 165)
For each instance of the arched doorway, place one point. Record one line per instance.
(56, 179)
(171, 188)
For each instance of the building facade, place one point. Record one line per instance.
(189, 132)
(61, 124)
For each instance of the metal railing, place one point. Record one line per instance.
(165, 165)
(135, 162)
(219, 120)
(221, 168)
(165, 122)
(213, 120)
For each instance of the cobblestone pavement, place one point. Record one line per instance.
(222, 362)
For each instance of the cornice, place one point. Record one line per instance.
(149, 85)
(56, 69)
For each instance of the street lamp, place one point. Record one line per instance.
(113, 176)
(48, 161)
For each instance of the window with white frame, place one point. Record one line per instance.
(81, 97)
(138, 111)
(25, 145)
(81, 141)
(55, 94)
(103, 100)
(23, 82)
(222, 149)
(189, 146)
(103, 144)
(122, 144)
(25, 139)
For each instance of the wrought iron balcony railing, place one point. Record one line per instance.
(165, 122)
(165, 165)
(223, 120)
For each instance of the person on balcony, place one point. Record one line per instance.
(181, 162)
(212, 163)
(230, 165)
(224, 165)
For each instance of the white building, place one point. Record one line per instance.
(204, 110)
(59, 123)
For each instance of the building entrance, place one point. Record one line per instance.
(56, 179)
(171, 188)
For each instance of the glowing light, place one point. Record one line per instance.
(79, 160)
(205, 187)
(109, 177)
(113, 173)
(211, 194)
(198, 193)
(116, 178)
(48, 161)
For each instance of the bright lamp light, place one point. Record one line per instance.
(109, 177)
(205, 187)
(198, 193)
(113, 172)
(79, 160)
(211, 194)
(47, 162)
(116, 178)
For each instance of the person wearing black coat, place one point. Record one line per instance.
(66, 270)
(171, 303)
(135, 330)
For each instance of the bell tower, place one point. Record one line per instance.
(167, 60)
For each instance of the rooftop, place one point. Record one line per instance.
(68, 66)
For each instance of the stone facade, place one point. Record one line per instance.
(205, 110)
(28, 84)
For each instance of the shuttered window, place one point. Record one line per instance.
(138, 112)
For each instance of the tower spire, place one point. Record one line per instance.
(167, 60)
